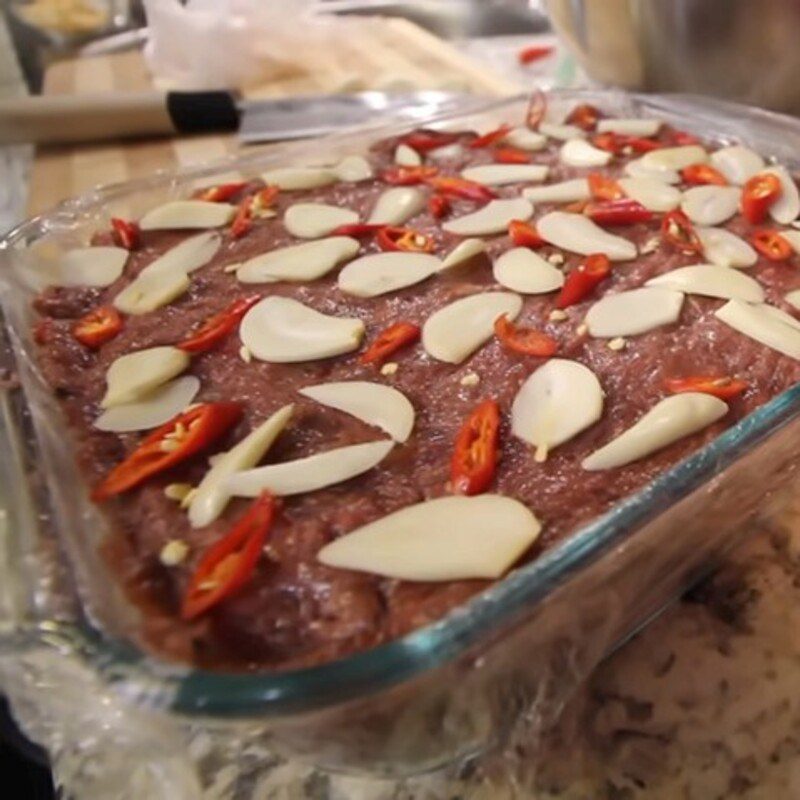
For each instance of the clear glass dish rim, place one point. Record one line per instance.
(190, 690)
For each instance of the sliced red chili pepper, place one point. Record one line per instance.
(584, 116)
(725, 388)
(408, 176)
(126, 234)
(678, 138)
(252, 207)
(537, 108)
(185, 435)
(525, 341)
(524, 234)
(583, 280)
(510, 155)
(229, 563)
(438, 205)
(618, 212)
(406, 240)
(577, 207)
(217, 327)
(221, 193)
(98, 327)
(462, 189)
(608, 141)
(602, 187)
(389, 341)
(616, 143)
(640, 144)
(490, 138)
(42, 330)
(423, 141)
(677, 229)
(535, 53)
(758, 194)
(701, 174)
(475, 454)
(357, 230)
(771, 244)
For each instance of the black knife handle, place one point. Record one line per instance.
(203, 112)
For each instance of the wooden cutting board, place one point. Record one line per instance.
(381, 51)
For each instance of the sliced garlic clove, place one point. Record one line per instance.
(578, 234)
(149, 291)
(793, 298)
(456, 331)
(636, 169)
(630, 127)
(564, 192)
(526, 139)
(652, 193)
(710, 205)
(787, 207)
(132, 376)
(152, 409)
(782, 316)
(561, 132)
(283, 330)
(669, 420)
(397, 206)
(379, 273)
(295, 178)
(314, 220)
(187, 214)
(463, 252)
(504, 174)
(674, 158)
(299, 262)
(558, 401)
(310, 473)
(89, 266)
(710, 280)
(633, 312)
(492, 218)
(726, 249)
(446, 153)
(406, 156)
(737, 163)
(439, 540)
(189, 255)
(526, 272)
(353, 169)
(212, 493)
(373, 403)
(579, 153)
(793, 237)
(760, 323)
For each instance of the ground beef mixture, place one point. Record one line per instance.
(296, 612)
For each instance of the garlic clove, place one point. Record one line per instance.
(630, 127)
(793, 298)
(132, 376)
(406, 156)
(380, 273)
(787, 207)
(578, 234)
(526, 272)
(149, 291)
(652, 193)
(563, 133)
(636, 169)
(446, 153)
(710, 205)
(315, 220)
(710, 280)
(633, 312)
(463, 252)
(782, 316)
(793, 237)
(492, 218)
(762, 324)
(299, 262)
(396, 206)
(674, 158)
(504, 174)
(187, 214)
(564, 192)
(526, 139)
(725, 249)
(579, 153)
(737, 163)
(353, 169)
(295, 178)
(88, 266)
(189, 255)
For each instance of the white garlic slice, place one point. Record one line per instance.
(652, 193)
(737, 163)
(189, 255)
(492, 218)
(782, 316)
(563, 192)
(456, 331)
(152, 409)
(504, 174)
(525, 139)
(787, 207)
(283, 330)
(295, 178)
(373, 403)
(132, 376)
(151, 290)
(579, 153)
(710, 280)
(726, 249)
(464, 251)
(212, 494)
(310, 473)
(380, 273)
(558, 401)
(299, 262)
(793, 298)
(710, 205)
(630, 126)
(578, 234)
(636, 169)
(396, 206)
(449, 151)
(633, 312)
(88, 266)
(352, 169)
(406, 156)
(526, 272)
(562, 132)
(669, 420)
(793, 237)
(187, 214)
(439, 540)
(674, 158)
(760, 323)
(314, 220)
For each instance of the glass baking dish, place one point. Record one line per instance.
(494, 669)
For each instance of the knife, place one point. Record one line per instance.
(100, 117)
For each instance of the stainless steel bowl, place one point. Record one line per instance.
(745, 50)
